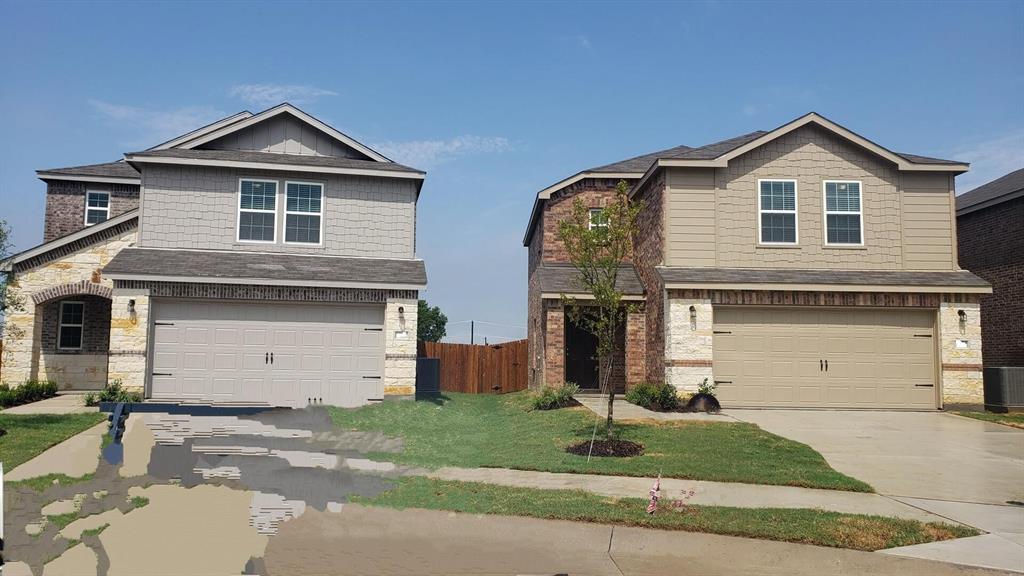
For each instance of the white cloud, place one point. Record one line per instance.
(428, 153)
(155, 126)
(989, 159)
(272, 94)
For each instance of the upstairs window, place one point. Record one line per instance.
(257, 210)
(302, 210)
(777, 212)
(843, 213)
(69, 331)
(97, 206)
(598, 219)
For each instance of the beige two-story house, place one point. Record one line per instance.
(806, 266)
(264, 259)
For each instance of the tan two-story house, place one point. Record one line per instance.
(263, 259)
(806, 266)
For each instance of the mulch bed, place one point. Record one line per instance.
(617, 448)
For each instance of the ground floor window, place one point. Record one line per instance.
(72, 318)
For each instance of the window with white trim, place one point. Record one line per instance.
(777, 212)
(843, 213)
(257, 210)
(303, 208)
(97, 206)
(598, 219)
(69, 330)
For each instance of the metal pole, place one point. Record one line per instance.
(471, 331)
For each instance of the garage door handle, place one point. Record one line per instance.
(162, 374)
(925, 385)
(266, 358)
(163, 323)
(371, 377)
(374, 329)
(271, 357)
(821, 365)
(721, 332)
(826, 363)
(922, 335)
(723, 381)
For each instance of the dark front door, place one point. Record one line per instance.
(580, 356)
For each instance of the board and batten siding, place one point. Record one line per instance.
(928, 227)
(197, 208)
(284, 134)
(711, 215)
(690, 218)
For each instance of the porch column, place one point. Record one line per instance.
(636, 348)
(400, 347)
(129, 338)
(554, 346)
(19, 360)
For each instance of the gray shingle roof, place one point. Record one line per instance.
(120, 169)
(716, 149)
(1004, 186)
(272, 158)
(249, 267)
(564, 279)
(917, 159)
(959, 278)
(639, 164)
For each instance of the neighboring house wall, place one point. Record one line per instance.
(535, 318)
(648, 250)
(284, 134)
(906, 222)
(65, 205)
(991, 244)
(197, 208)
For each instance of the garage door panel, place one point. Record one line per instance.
(874, 357)
(218, 351)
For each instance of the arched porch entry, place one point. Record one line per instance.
(71, 335)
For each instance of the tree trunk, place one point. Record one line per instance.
(607, 376)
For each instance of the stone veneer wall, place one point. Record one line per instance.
(129, 338)
(688, 351)
(60, 274)
(961, 367)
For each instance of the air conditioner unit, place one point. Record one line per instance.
(1004, 388)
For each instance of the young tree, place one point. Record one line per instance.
(430, 323)
(598, 243)
(10, 300)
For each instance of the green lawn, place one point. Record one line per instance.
(856, 531)
(1016, 420)
(28, 435)
(473, 431)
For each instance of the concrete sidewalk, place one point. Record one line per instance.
(73, 403)
(705, 493)
(624, 410)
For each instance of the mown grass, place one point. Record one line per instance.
(29, 435)
(804, 526)
(1015, 420)
(41, 483)
(472, 431)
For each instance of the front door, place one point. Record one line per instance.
(580, 356)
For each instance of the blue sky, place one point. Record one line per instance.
(497, 101)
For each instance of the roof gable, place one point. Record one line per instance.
(283, 129)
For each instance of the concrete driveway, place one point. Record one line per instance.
(917, 454)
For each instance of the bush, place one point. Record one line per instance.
(551, 397)
(30, 391)
(705, 388)
(654, 396)
(112, 392)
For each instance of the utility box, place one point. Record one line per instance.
(1004, 388)
(428, 376)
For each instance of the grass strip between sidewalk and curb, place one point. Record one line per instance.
(29, 435)
(1016, 420)
(798, 525)
(492, 431)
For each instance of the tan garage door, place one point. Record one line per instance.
(824, 357)
(278, 354)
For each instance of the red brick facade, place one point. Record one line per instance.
(991, 245)
(545, 319)
(65, 205)
(647, 253)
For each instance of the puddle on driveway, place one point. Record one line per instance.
(280, 463)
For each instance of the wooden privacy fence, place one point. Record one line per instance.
(479, 369)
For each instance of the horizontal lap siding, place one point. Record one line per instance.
(690, 218)
(927, 222)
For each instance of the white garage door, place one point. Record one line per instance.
(278, 354)
(824, 357)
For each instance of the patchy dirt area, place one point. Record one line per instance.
(218, 487)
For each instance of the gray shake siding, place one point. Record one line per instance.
(197, 208)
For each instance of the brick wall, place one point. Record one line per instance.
(65, 205)
(96, 325)
(647, 252)
(535, 321)
(554, 346)
(636, 348)
(594, 193)
(991, 245)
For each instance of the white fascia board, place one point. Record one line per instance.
(280, 109)
(797, 287)
(202, 131)
(78, 178)
(264, 281)
(274, 166)
(73, 237)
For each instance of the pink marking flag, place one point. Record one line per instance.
(652, 507)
